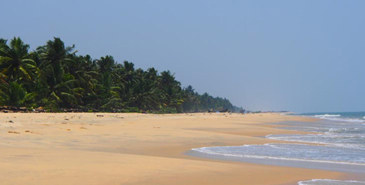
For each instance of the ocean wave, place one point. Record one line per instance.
(343, 130)
(330, 182)
(338, 117)
(289, 152)
(327, 115)
(279, 158)
(341, 119)
(353, 141)
(346, 132)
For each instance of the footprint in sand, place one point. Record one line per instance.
(13, 132)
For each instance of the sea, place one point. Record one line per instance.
(335, 142)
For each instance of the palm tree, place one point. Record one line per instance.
(15, 61)
(144, 93)
(13, 94)
(172, 90)
(108, 94)
(2, 42)
(53, 55)
(59, 87)
(55, 77)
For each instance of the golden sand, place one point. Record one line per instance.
(128, 149)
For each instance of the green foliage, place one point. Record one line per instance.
(15, 62)
(56, 78)
(13, 94)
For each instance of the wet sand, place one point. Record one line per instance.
(115, 149)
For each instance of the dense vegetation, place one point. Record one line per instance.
(56, 78)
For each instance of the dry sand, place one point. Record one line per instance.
(126, 149)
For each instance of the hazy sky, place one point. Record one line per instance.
(301, 56)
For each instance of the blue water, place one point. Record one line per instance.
(337, 138)
(355, 117)
(330, 182)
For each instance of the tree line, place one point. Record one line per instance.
(55, 77)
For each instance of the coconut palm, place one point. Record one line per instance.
(13, 94)
(53, 55)
(55, 77)
(15, 61)
(59, 86)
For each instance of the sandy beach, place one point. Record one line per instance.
(126, 149)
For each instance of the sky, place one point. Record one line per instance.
(301, 56)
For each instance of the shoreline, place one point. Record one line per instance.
(352, 172)
(81, 148)
(317, 165)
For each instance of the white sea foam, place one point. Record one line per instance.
(351, 120)
(327, 115)
(342, 130)
(338, 117)
(292, 152)
(330, 182)
(352, 141)
(332, 142)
